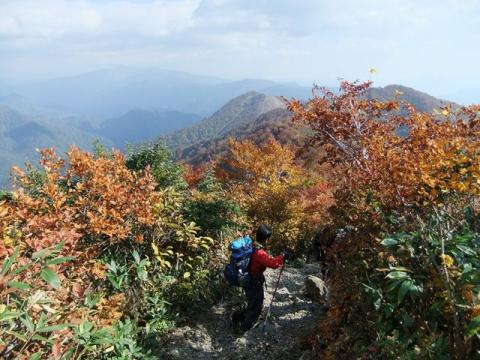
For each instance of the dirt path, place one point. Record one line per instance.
(293, 317)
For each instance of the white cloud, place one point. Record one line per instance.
(415, 42)
(49, 20)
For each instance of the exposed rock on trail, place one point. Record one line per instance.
(293, 317)
(316, 289)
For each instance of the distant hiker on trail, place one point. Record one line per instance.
(244, 319)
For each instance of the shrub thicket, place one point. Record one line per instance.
(408, 275)
(97, 259)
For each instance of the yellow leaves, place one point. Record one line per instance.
(461, 187)
(267, 183)
(3, 210)
(12, 237)
(447, 260)
(97, 270)
(160, 256)
(110, 310)
(156, 252)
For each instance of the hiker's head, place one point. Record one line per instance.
(263, 234)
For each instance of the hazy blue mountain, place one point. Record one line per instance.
(238, 111)
(21, 134)
(18, 103)
(111, 93)
(10, 118)
(26, 106)
(28, 133)
(140, 125)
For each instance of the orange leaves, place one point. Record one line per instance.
(112, 199)
(316, 202)
(269, 164)
(110, 310)
(193, 175)
(272, 189)
(86, 203)
(91, 196)
(399, 154)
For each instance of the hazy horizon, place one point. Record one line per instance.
(427, 45)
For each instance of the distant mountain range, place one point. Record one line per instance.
(113, 92)
(21, 134)
(194, 115)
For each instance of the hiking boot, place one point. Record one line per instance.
(235, 321)
(237, 330)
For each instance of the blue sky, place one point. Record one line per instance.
(430, 45)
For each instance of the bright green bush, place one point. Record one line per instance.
(209, 206)
(165, 171)
(427, 295)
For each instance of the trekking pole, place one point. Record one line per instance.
(273, 295)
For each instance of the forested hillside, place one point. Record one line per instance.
(138, 125)
(274, 123)
(21, 134)
(237, 112)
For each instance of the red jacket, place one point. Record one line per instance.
(260, 260)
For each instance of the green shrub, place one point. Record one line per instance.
(426, 297)
(211, 209)
(166, 172)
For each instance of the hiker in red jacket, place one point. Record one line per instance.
(259, 261)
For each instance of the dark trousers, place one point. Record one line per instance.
(247, 316)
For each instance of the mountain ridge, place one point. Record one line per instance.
(239, 110)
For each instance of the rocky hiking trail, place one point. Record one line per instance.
(293, 317)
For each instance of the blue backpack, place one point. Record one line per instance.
(237, 271)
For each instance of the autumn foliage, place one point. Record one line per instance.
(94, 200)
(101, 253)
(401, 156)
(407, 188)
(274, 190)
(86, 244)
